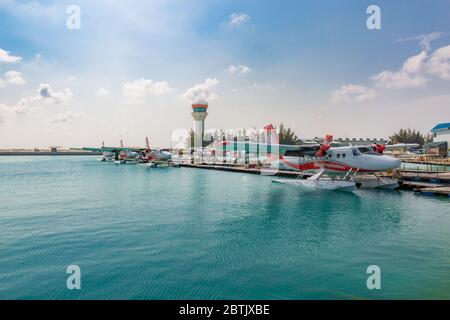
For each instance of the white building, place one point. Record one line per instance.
(441, 136)
(199, 113)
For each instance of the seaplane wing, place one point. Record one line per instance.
(108, 149)
(253, 146)
(402, 145)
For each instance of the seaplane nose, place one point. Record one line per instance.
(394, 163)
(397, 163)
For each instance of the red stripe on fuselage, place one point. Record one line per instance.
(329, 165)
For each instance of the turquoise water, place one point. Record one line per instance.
(184, 233)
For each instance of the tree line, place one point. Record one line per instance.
(288, 136)
(408, 135)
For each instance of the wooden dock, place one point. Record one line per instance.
(49, 153)
(420, 182)
(442, 191)
(427, 161)
(425, 176)
(425, 182)
(249, 170)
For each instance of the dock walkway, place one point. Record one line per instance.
(442, 190)
(425, 176)
(244, 169)
(420, 182)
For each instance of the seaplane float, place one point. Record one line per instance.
(315, 181)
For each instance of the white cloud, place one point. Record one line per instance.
(32, 104)
(240, 69)
(6, 57)
(439, 63)
(14, 78)
(399, 80)
(23, 106)
(102, 92)
(237, 19)
(45, 93)
(415, 63)
(425, 40)
(262, 86)
(409, 76)
(67, 116)
(142, 87)
(202, 92)
(415, 73)
(352, 93)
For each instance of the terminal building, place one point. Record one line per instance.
(441, 140)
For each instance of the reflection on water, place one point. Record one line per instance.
(188, 233)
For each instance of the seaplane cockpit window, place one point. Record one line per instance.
(294, 153)
(368, 150)
(364, 149)
(355, 152)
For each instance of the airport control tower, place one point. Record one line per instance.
(199, 114)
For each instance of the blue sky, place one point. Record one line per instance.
(132, 68)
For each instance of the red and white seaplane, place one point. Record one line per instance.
(341, 168)
(336, 168)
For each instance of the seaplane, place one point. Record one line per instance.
(336, 168)
(149, 157)
(344, 168)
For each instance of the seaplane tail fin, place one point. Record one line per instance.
(147, 145)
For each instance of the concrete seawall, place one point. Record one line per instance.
(48, 153)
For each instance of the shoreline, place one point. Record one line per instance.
(49, 153)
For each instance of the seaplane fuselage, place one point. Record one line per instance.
(157, 155)
(338, 159)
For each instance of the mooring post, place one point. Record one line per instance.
(224, 152)
(247, 151)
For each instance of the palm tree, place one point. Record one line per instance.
(287, 135)
(410, 136)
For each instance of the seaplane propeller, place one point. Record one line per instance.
(379, 148)
(324, 146)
